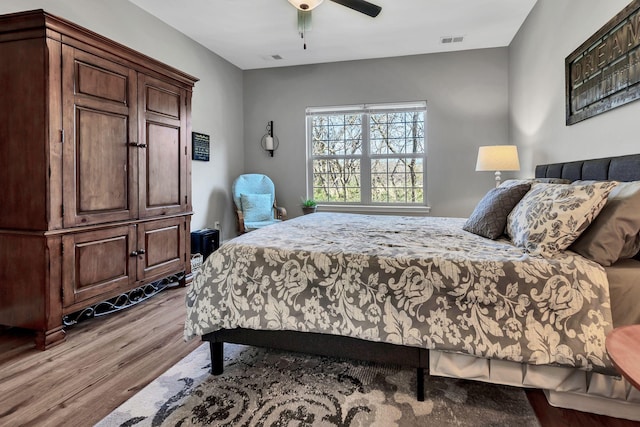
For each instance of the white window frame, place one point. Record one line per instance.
(367, 205)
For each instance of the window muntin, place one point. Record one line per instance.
(369, 154)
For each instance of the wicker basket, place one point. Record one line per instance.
(196, 263)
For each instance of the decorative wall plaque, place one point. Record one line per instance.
(200, 146)
(604, 72)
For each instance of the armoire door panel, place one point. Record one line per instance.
(101, 83)
(100, 124)
(97, 263)
(163, 243)
(102, 162)
(163, 165)
(163, 160)
(163, 101)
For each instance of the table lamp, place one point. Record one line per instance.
(498, 158)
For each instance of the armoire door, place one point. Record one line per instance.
(161, 247)
(97, 263)
(163, 158)
(100, 139)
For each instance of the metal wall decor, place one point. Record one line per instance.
(604, 72)
(269, 140)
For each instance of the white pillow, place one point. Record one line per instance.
(551, 216)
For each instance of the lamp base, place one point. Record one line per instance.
(498, 178)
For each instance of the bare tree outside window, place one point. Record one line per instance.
(337, 152)
(368, 156)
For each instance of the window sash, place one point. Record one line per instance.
(365, 157)
(368, 108)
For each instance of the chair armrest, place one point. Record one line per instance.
(240, 219)
(281, 213)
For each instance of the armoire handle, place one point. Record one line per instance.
(135, 144)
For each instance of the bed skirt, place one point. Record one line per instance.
(564, 387)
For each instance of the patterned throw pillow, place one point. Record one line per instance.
(256, 207)
(551, 216)
(489, 218)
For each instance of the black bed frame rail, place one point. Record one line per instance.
(323, 345)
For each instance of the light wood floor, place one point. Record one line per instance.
(107, 360)
(104, 361)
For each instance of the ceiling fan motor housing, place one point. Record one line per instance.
(305, 5)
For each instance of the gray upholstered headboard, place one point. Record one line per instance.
(622, 168)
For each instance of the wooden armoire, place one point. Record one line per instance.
(95, 170)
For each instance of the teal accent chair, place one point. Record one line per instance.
(254, 197)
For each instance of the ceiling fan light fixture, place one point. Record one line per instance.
(305, 5)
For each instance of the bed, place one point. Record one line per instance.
(463, 305)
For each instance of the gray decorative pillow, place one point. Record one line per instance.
(532, 181)
(489, 218)
(551, 181)
(615, 233)
(551, 216)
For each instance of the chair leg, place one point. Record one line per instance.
(217, 357)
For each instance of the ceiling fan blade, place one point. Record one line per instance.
(361, 6)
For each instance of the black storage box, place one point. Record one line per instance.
(204, 242)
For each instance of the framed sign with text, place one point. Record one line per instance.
(604, 72)
(199, 146)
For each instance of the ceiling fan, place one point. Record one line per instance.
(306, 6)
(361, 6)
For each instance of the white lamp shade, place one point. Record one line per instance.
(305, 4)
(498, 158)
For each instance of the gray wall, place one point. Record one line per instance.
(217, 97)
(467, 106)
(553, 30)
(480, 97)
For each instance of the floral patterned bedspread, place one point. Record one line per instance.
(416, 281)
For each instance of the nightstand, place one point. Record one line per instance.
(623, 346)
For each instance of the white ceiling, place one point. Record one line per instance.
(248, 33)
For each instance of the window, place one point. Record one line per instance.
(367, 154)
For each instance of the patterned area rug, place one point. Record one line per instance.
(272, 388)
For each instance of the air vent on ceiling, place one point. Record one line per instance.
(451, 39)
(274, 57)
